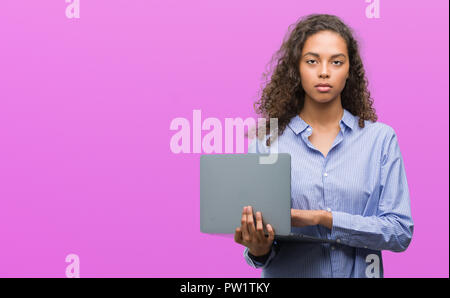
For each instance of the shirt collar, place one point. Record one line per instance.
(297, 124)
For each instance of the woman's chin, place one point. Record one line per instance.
(323, 100)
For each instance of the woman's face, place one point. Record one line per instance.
(324, 60)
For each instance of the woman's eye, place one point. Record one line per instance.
(339, 62)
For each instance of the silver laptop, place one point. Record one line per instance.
(228, 182)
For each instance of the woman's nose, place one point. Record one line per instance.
(324, 72)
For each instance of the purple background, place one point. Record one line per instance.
(85, 109)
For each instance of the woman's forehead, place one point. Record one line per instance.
(325, 43)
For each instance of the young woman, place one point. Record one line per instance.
(348, 177)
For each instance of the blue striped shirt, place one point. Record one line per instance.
(362, 182)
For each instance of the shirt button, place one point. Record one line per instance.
(365, 246)
(332, 248)
(326, 174)
(309, 129)
(338, 240)
(329, 209)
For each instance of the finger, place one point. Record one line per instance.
(259, 226)
(271, 233)
(250, 223)
(244, 229)
(238, 236)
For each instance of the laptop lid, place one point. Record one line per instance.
(228, 182)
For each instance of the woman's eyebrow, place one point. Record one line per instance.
(317, 55)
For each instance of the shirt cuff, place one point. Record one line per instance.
(256, 261)
(260, 259)
(341, 228)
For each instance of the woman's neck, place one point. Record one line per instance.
(320, 115)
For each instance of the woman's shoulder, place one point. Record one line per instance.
(380, 135)
(258, 145)
(378, 128)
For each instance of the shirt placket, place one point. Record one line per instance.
(327, 199)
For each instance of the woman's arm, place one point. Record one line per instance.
(303, 218)
(391, 228)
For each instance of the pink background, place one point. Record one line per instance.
(85, 109)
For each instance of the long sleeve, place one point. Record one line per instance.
(392, 226)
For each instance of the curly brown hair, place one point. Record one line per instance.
(283, 95)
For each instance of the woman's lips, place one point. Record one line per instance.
(323, 88)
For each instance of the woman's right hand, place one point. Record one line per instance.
(251, 237)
